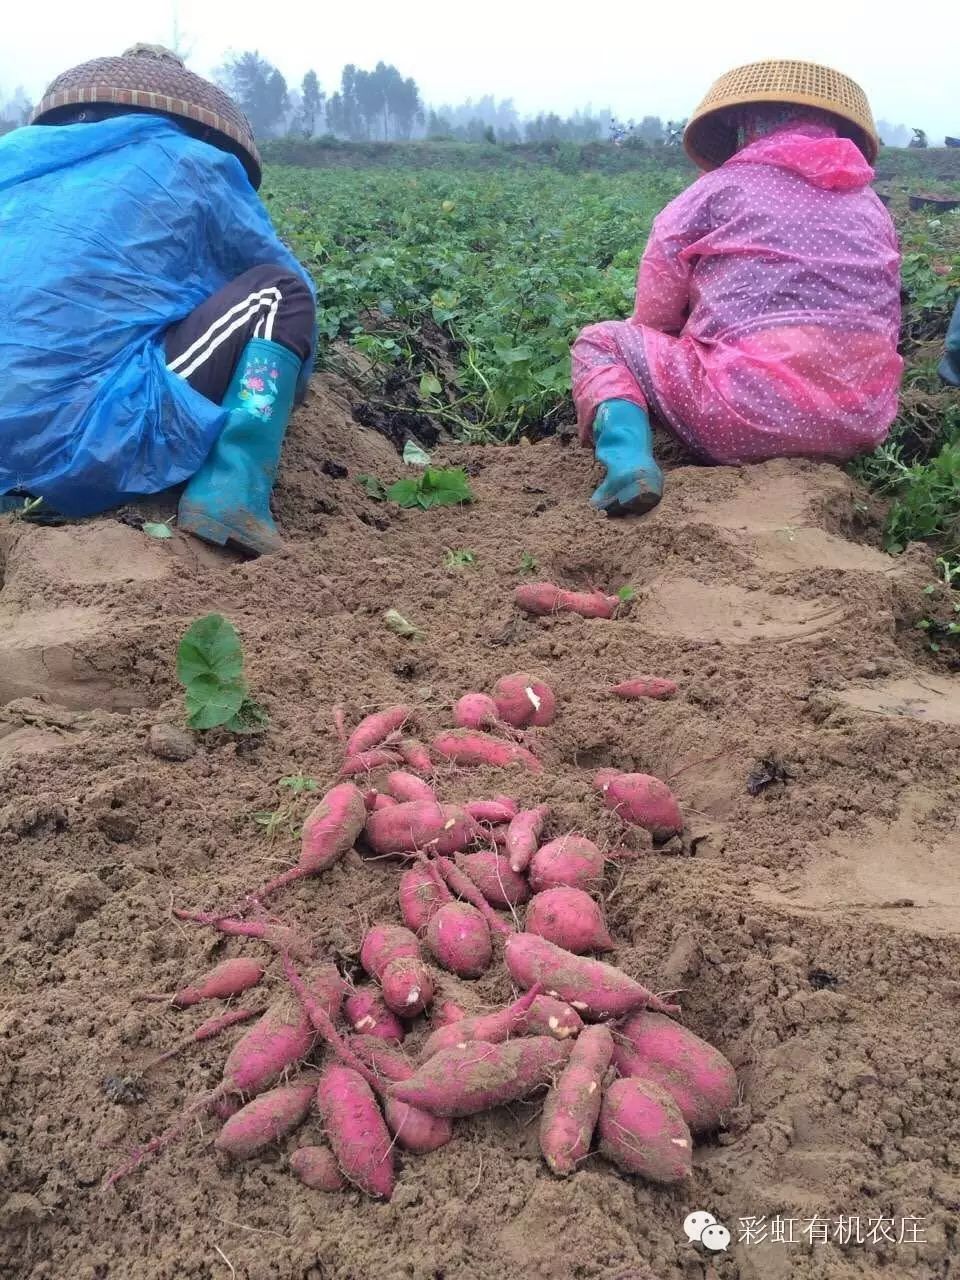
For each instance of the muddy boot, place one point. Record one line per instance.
(228, 500)
(623, 444)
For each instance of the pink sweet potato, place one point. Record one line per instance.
(697, 1076)
(356, 1130)
(330, 829)
(475, 1077)
(573, 1104)
(642, 1131)
(461, 884)
(523, 836)
(367, 1014)
(546, 597)
(206, 1031)
(570, 918)
(374, 729)
(498, 810)
(266, 1119)
(643, 800)
(407, 787)
(459, 830)
(420, 896)
(367, 761)
(229, 978)
(548, 1016)
(278, 936)
(415, 755)
(492, 874)
(382, 802)
(476, 711)
(522, 700)
(459, 938)
(596, 989)
(645, 687)
(392, 956)
(415, 1130)
(470, 747)
(383, 943)
(406, 827)
(445, 1012)
(492, 1028)
(572, 860)
(317, 1168)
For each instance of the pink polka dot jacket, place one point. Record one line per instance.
(767, 310)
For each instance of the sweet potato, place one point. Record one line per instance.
(278, 936)
(407, 787)
(476, 711)
(697, 1076)
(521, 699)
(445, 1012)
(573, 1104)
(645, 687)
(415, 1130)
(206, 1031)
(420, 896)
(330, 829)
(643, 800)
(382, 802)
(596, 989)
(470, 747)
(369, 1016)
(642, 1131)
(459, 830)
(266, 1119)
(572, 860)
(392, 956)
(459, 938)
(367, 761)
(374, 729)
(415, 755)
(523, 836)
(548, 1016)
(461, 884)
(540, 598)
(570, 918)
(467, 1079)
(229, 978)
(406, 827)
(491, 873)
(356, 1130)
(317, 1168)
(492, 1028)
(499, 809)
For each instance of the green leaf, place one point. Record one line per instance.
(250, 718)
(157, 529)
(210, 647)
(404, 492)
(299, 782)
(626, 594)
(372, 487)
(414, 456)
(212, 702)
(429, 386)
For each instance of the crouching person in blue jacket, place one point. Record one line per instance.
(154, 329)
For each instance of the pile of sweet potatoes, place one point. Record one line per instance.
(386, 1065)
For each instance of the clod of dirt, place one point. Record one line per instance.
(335, 470)
(822, 978)
(124, 1090)
(171, 743)
(765, 773)
(20, 1211)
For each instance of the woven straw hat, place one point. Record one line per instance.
(710, 137)
(151, 78)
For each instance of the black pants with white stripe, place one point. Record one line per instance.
(267, 302)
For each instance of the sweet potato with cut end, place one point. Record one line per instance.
(540, 598)
(414, 1130)
(470, 747)
(570, 918)
(475, 711)
(645, 687)
(415, 755)
(523, 700)
(573, 1104)
(593, 988)
(548, 1016)
(367, 761)
(642, 799)
(489, 1027)
(374, 729)
(475, 1077)
(408, 788)
(229, 978)
(642, 1131)
(356, 1130)
(405, 827)
(496, 811)
(369, 1016)
(697, 1076)
(317, 1168)
(459, 938)
(266, 1119)
(523, 836)
(493, 876)
(420, 897)
(571, 860)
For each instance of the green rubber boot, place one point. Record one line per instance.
(228, 499)
(623, 444)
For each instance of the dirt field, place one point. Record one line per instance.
(812, 927)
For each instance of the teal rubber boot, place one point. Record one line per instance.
(228, 499)
(623, 444)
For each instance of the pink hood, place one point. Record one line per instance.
(815, 153)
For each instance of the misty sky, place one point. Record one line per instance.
(635, 58)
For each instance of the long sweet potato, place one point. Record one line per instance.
(229, 978)
(376, 728)
(420, 896)
(541, 598)
(356, 1130)
(492, 874)
(489, 1027)
(405, 827)
(470, 747)
(330, 830)
(573, 1104)
(467, 1079)
(523, 836)
(266, 1119)
(642, 1131)
(595, 989)
(415, 1130)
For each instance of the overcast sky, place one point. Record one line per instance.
(634, 57)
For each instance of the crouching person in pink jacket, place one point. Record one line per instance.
(768, 299)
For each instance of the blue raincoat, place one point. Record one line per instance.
(110, 233)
